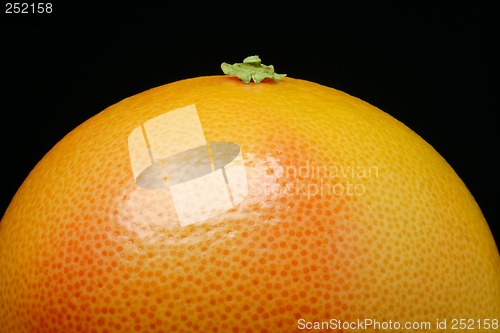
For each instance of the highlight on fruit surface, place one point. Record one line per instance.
(212, 205)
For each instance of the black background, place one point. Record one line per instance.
(431, 67)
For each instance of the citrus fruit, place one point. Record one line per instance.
(211, 205)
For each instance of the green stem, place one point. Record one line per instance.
(251, 69)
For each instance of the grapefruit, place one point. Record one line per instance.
(211, 205)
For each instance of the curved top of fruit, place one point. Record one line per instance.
(251, 69)
(345, 211)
